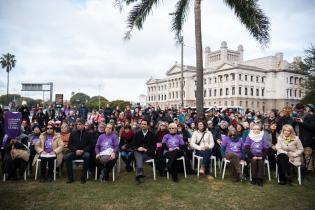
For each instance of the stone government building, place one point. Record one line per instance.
(259, 84)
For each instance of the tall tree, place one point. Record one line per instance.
(308, 65)
(248, 12)
(8, 63)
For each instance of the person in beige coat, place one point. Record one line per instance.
(202, 142)
(48, 148)
(289, 152)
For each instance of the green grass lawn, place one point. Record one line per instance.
(190, 193)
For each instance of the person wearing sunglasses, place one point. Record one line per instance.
(48, 148)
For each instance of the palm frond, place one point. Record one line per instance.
(138, 14)
(252, 17)
(179, 18)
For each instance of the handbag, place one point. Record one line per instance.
(20, 153)
(201, 138)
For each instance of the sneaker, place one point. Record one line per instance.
(202, 169)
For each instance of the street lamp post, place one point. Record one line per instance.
(182, 72)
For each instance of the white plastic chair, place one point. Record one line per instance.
(199, 158)
(81, 161)
(184, 165)
(5, 178)
(115, 166)
(153, 164)
(36, 168)
(225, 162)
(299, 174)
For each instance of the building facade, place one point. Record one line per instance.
(258, 84)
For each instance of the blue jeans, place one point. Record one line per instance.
(206, 154)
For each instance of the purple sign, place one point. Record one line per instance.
(12, 124)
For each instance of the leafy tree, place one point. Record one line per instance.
(8, 63)
(96, 103)
(79, 98)
(248, 12)
(309, 66)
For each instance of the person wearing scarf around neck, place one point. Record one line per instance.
(289, 150)
(106, 150)
(256, 150)
(126, 153)
(232, 148)
(173, 147)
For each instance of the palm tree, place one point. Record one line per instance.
(8, 62)
(247, 11)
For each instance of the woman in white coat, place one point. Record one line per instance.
(202, 142)
(289, 150)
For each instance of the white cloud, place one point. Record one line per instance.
(78, 44)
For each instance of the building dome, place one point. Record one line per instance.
(224, 45)
(240, 48)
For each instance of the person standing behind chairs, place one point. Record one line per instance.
(106, 151)
(48, 148)
(202, 142)
(144, 145)
(79, 148)
(290, 152)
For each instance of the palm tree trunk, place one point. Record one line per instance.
(199, 61)
(8, 87)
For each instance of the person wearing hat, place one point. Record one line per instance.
(48, 148)
(33, 138)
(80, 147)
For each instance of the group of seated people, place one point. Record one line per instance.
(102, 146)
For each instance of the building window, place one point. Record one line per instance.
(233, 91)
(215, 92)
(257, 79)
(252, 91)
(246, 104)
(215, 80)
(252, 78)
(227, 91)
(225, 103)
(300, 93)
(220, 78)
(295, 93)
(165, 97)
(176, 94)
(205, 81)
(245, 91)
(263, 92)
(290, 92)
(241, 103)
(291, 80)
(245, 77)
(233, 76)
(221, 91)
(210, 92)
(257, 92)
(258, 104)
(263, 79)
(210, 80)
(240, 90)
(205, 93)
(240, 77)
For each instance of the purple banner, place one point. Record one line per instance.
(12, 124)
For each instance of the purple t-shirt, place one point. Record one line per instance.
(232, 147)
(105, 142)
(172, 141)
(34, 140)
(48, 144)
(256, 148)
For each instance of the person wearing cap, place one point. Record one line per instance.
(48, 148)
(80, 147)
(32, 140)
(304, 126)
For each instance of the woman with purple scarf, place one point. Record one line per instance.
(106, 151)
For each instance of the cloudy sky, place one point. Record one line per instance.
(78, 45)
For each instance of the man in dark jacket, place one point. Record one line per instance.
(80, 147)
(304, 126)
(144, 145)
